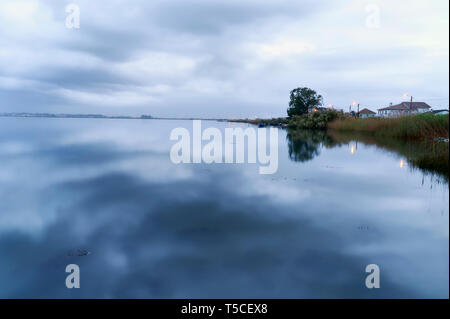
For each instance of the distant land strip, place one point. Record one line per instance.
(101, 116)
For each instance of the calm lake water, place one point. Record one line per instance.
(154, 229)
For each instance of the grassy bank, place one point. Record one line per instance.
(423, 126)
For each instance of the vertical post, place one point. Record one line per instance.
(357, 114)
(410, 106)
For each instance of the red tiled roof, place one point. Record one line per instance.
(366, 111)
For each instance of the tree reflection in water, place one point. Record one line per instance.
(304, 145)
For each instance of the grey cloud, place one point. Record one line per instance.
(222, 40)
(212, 18)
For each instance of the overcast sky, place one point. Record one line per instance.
(220, 58)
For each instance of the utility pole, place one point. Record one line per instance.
(410, 105)
(357, 114)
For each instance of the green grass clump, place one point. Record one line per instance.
(412, 127)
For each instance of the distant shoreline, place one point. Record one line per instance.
(101, 116)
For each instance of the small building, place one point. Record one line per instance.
(365, 113)
(404, 108)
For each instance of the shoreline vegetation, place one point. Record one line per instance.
(421, 138)
(420, 126)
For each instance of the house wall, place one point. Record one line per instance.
(396, 113)
(364, 116)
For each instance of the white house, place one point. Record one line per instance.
(404, 108)
(365, 113)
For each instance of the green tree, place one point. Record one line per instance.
(303, 100)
